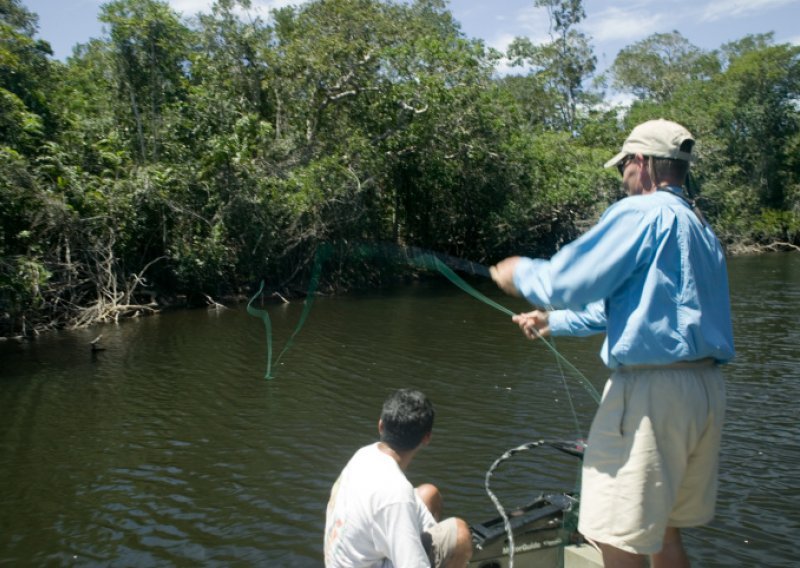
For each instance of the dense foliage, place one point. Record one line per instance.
(196, 157)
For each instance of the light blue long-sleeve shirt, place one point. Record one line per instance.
(650, 274)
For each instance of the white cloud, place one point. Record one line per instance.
(502, 69)
(719, 9)
(532, 22)
(529, 22)
(500, 42)
(267, 5)
(258, 7)
(190, 7)
(503, 66)
(623, 24)
(619, 100)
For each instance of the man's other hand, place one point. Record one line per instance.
(533, 324)
(503, 275)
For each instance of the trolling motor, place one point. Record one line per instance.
(537, 531)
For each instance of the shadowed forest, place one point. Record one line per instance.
(184, 160)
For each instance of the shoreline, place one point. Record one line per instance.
(182, 302)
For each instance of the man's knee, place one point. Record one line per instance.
(464, 535)
(432, 498)
(449, 543)
(463, 549)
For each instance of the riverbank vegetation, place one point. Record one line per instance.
(192, 158)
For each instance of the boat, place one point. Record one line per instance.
(544, 532)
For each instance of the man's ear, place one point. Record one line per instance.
(380, 426)
(426, 439)
(645, 179)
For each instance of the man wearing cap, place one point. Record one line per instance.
(651, 275)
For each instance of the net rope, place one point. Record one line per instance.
(420, 259)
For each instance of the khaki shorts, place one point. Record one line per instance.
(440, 541)
(652, 456)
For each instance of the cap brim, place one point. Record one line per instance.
(615, 160)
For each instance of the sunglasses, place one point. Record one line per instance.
(623, 163)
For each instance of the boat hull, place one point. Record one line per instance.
(541, 530)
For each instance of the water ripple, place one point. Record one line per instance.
(170, 448)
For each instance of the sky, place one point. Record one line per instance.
(610, 24)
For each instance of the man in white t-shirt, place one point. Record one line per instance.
(375, 517)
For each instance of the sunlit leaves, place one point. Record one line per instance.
(656, 66)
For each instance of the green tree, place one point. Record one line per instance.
(149, 51)
(747, 122)
(366, 85)
(656, 66)
(28, 211)
(759, 122)
(562, 65)
(26, 118)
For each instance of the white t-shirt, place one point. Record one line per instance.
(374, 516)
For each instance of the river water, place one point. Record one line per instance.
(169, 448)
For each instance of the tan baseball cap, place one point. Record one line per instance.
(658, 138)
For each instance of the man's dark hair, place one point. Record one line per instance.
(407, 417)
